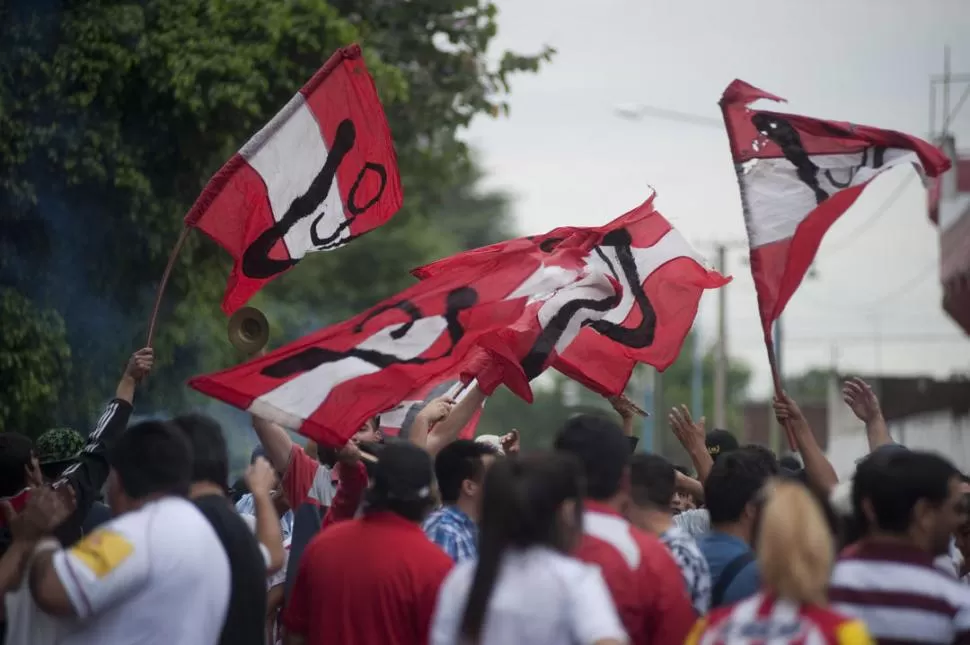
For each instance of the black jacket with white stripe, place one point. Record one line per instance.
(89, 473)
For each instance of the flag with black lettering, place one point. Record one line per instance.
(321, 173)
(593, 334)
(797, 176)
(327, 384)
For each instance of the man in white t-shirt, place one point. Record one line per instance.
(156, 573)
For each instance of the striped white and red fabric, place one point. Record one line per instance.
(321, 173)
(797, 176)
(900, 595)
(327, 384)
(764, 619)
(585, 332)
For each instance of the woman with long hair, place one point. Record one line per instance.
(524, 587)
(795, 549)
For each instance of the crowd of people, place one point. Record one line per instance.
(428, 538)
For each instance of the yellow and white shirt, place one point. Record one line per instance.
(158, 575)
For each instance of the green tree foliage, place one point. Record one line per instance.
(114, 114)
(33, 361)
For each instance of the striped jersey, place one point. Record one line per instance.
(900, 595)
(764, 619)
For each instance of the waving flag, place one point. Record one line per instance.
(321, 173)
(797, 176)
(593, 334)
(327, 384)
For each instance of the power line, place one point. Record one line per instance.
(905, 288)
(855, 236)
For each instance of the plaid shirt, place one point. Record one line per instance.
(454, 532)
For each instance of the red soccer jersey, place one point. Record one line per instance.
(369, 580)
(645, 582)
(766, 619)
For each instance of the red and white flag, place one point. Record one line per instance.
(329, 383)
(592, 333)
(797, 176)
(321, 173)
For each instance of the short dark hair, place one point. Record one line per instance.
(152, 457)
(735, 480)
(652, 480)
(210, 456)
(895, 481)
(16, 451)
(458, 461)
(602, 449)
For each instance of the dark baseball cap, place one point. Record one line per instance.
(403, 472)
(720, 442)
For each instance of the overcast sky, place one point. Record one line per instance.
(568, 159)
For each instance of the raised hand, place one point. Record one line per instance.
(437, 410)
(260, 477)
(861, 399)
(690, 434)
(510, 443)
(140, 364)
(623, 406)
(44, 511)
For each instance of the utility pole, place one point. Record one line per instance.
(720, 361)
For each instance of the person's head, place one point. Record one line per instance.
(909, 494)
(19, 466)
(370, 432)
(652, 480)
(682, 500)
(57, 449)
(460, 470)
(603, 451)
(401, 482)
(210, 456)
(533, 500)
(720, 442)
(794, 543)
(150, 460)
(732, 486)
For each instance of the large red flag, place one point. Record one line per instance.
(321, 173)
(797, 176)
(597, 339)
(329, 383)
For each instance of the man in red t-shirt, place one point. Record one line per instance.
(642, 576)
(374, 579)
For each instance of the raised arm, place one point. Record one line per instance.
(865, 405)
(261, 479)
(447, 430)
(819, 469)
(89, 473)
(276, 442)
(692, 437)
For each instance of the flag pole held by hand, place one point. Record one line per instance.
(164, 281)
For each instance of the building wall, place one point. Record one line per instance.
(939, 431)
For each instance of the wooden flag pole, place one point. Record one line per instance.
(161, 285)
(776, 379)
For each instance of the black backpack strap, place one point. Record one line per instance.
(727, 576)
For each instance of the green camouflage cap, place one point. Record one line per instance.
(58, 444)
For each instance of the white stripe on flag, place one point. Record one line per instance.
(289, 154)
(777, 200)
(648, 259)
(298, 398)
